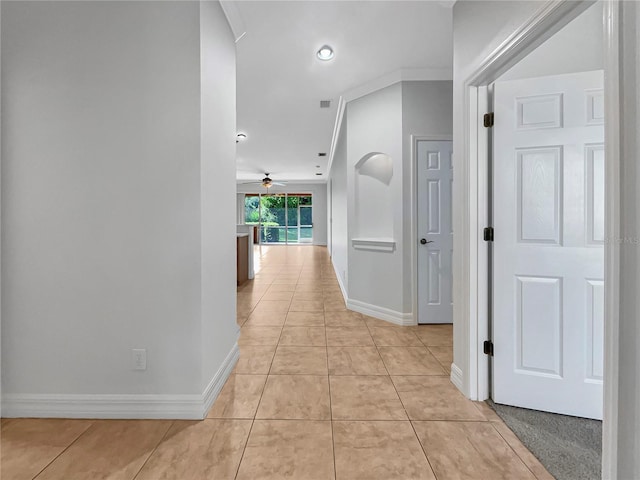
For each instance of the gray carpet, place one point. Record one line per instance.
(569, 447)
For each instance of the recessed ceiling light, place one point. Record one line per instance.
(325, 53)
(240, 137)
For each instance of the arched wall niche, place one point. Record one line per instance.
(373, 197)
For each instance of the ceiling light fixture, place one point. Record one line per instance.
(325, 53)
(240, 137)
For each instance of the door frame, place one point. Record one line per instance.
(414, 213)
(550, 18)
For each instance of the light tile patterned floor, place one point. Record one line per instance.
(319, 392)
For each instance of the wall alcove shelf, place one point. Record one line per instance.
(374, 244)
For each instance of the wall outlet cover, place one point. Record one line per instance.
(139, 358)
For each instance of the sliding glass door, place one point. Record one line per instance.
(284, 218)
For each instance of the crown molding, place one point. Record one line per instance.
(384, 81)
(234, 18)
(401, 75)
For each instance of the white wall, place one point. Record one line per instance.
(338, 215)
(110, 239)
(427, 109)
(382, 122)
(319, 212)
(578, 47)
(374, 124)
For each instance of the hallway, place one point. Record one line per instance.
(319, 392)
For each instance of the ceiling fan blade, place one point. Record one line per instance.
(279, 184)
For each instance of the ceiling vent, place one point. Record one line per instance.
(325, 103)
(322, 154)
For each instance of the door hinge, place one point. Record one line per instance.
(488, 120)
(488, 348)
(488, 234)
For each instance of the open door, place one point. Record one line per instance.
(548, 258)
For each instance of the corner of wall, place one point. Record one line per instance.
(457, 377)
(216, 384)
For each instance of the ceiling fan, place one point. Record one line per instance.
(266, 182)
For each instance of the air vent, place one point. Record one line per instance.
(325, 103)
(322, 154)
(318, 174)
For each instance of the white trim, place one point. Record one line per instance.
(381, 313)
(127, 406)
(543, 24)
(234, 18)
(219, 379)
(343, 288)
(413, 182)
(336, 133)
(397, 76)
(384, 81)
(1, 406)
(374, 244)
(456, 376)
(612, 136)
(472, 241)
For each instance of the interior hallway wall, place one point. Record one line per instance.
(374, 125)
(382, 122)
(338, 214)
(113, 127)
(218, 168)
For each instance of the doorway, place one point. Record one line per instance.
(281, 218)
(434, 174)
(546, 211)
(471, 197)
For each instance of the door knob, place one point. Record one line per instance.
(424, 241)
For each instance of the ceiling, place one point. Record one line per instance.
(280, 81)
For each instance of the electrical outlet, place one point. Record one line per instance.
(139, 358)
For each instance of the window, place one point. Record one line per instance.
(285, 218)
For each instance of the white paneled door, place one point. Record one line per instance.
(435, 234)
(548, 256)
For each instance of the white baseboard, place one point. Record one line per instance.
(127, 406)
(381, 313)
(219, 379)
(456, 377)
(343, 289)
